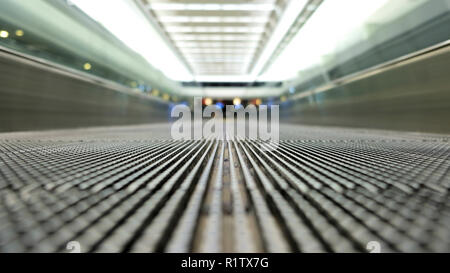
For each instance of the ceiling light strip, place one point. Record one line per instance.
(211, 7)
(213, 19)
(215, 38)
(174, 29)
(301, 20)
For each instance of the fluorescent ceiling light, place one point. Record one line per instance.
(218, 72)
(212, 7)
(205, 69)
(136, 32)
(221, 51)
(215, 66)
(318, 39)
(216, 29)
(188, 37)
(217, 61)
(218, 69)
(217, 54)
(213, 19)
(207, 44)
(224, 58)
(179, 37)
(227, 68)
(288, 18)
(225, 78)
(232, 66)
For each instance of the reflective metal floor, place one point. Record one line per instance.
(133, 189)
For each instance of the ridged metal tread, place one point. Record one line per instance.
(317, 193)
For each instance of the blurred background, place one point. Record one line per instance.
(378, 64)
(87, 162)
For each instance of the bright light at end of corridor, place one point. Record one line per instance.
(208, 101)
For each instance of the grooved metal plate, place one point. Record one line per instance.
(132, 189)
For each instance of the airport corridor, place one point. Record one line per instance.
(90, 93)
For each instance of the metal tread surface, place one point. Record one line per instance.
(132, 189)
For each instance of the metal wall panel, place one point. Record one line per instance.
(35, 97)
(413, 95)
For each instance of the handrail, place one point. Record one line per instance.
(70, 72)
(375, 69)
